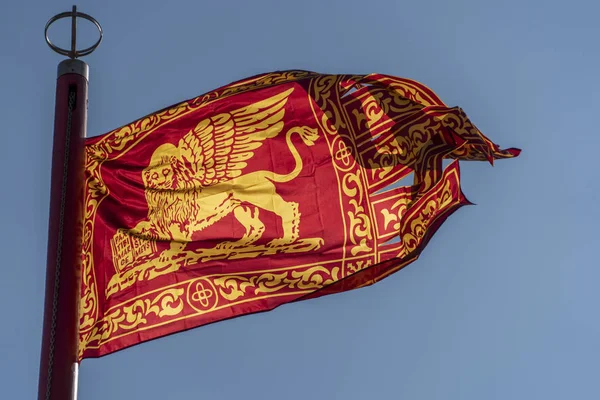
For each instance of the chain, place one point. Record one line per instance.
(61, 221)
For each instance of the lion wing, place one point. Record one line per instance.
(217, 149)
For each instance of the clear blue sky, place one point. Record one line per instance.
(503, 304)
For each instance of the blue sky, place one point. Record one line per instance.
(502, 304)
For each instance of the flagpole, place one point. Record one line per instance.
(59, 359)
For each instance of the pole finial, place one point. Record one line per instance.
(73, 52)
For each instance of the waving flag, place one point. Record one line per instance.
(277, 188)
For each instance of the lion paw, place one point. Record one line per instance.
(279, 242)
(226, 245)
(165, 257)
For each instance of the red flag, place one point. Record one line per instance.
(274, 189)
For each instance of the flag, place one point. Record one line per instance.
(277, 188)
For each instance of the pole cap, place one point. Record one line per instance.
(74, 66)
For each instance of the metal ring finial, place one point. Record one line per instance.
(73, 53)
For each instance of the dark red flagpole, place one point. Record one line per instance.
(58, 364)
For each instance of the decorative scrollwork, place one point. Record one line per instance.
(234, 287)
(167, 303)
(360, 231)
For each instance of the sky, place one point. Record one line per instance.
(502, 304)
